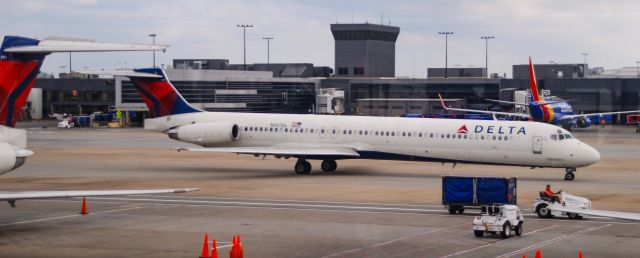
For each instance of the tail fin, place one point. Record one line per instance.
(159, 94)
(535, 94)
(17, 76)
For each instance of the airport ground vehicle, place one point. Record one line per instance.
(459, 192)
(499, 219)
(544, 206)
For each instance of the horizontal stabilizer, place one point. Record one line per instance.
(65, 45)
(597, 213)
(127, 73)
(4, 196)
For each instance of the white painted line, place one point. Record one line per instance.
(268, 204)
(493, 242)
(394, 240)
(531, 247)
(298, 201)
(66, 216)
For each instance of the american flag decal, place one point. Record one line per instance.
(296, 124)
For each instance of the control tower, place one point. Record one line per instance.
(365, 50)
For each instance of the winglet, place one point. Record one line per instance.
(442, 102)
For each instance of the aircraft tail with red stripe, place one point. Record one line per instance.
(533, 84)
(158, 93)
(18, 72)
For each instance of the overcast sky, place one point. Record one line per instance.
(558, 31)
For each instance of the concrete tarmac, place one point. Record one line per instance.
(365, 209)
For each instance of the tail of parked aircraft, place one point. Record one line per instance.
(533, 85)
(21, 59)
(159, 94)
(17, 75)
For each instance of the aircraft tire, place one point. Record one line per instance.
(569, 176)
(302, 167)
(329, 165)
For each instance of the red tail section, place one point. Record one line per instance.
(17, 76)
(535, 95)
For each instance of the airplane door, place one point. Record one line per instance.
(323, 132)
(537, 145)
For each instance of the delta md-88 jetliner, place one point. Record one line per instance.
(331, 138)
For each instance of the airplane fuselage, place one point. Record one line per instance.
(393, 138)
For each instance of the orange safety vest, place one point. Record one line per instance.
(548, 192)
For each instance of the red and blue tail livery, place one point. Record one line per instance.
(158, 93)
(18, 72)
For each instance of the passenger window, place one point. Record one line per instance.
(321, 130)
(333, 131)
(360, 132)
(270, 129)
(448, 136)
(493, 137)
(344, 131)
(286, 130)
(311, 130)
(393, 133)
(506, 138)
(366, 132)
(420, 135)
(349, 131)
(387, 133)
(481, 137)
(500, 137)
(403, 134)
(465, 136)
(431, 135)
(460, 136)
(246, 129)
(260, 129)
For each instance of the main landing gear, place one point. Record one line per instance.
(569, 176)
(303, 166)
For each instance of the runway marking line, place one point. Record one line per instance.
(531, 247)
(443, 212)
(493, 242)
(66, 216)
(300, 201)
(394, 240)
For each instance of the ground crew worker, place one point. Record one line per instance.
(551, 194)
(603, 121)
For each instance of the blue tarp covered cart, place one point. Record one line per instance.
(466, 191)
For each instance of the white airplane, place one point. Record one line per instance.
(331, 138)
(20, 61)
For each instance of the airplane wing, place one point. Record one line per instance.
(597, 213)
(597, 114)
(13, 196)
(76, 45)
(283, 151)
(481, 111)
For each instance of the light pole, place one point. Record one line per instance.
(486, 52)
(244, 42)
(446, 49)
(268, 39)
(153, 37)
(584, 65)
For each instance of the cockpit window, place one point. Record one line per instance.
(560, 137)
(567, 136)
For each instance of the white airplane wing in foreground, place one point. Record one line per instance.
(597, 114)
(481, 111)
(13, 196)
(597, 213)
(283, 151)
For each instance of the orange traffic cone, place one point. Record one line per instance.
(538, 253)
(214, 249)
(240, 253)
(205, 246)
(580, 254)
(84, 210)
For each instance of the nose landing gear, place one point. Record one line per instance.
(569, 176)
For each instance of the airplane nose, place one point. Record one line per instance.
(591, 155)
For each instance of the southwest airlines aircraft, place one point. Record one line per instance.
(20, 61)
(545, 109)
(331, 138)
